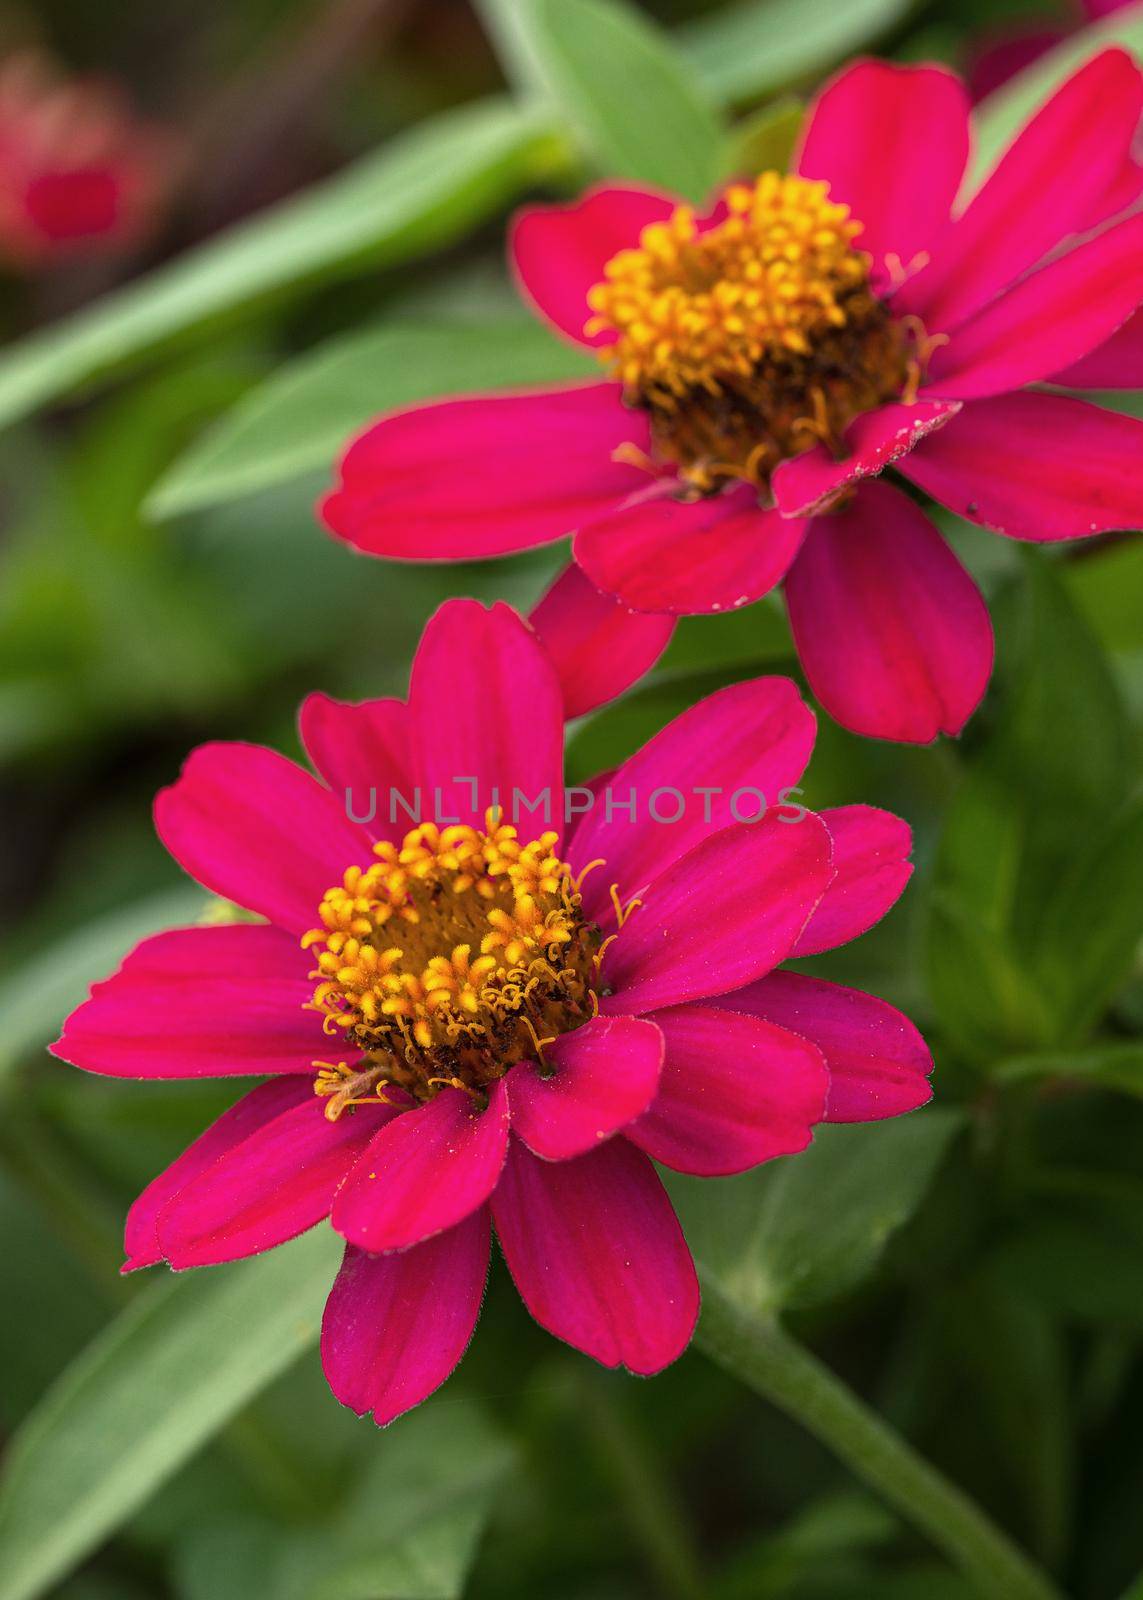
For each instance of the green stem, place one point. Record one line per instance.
(761, 1354)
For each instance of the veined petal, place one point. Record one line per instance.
(360, 750)
(656, 552)
(1062, 175)
(725, 913)
(891, 630)
(735, 1092)
(598, 647)
(873, 441)
(743, 742)
(425, 1171)
(559, 252)
(892, 143)
(395, 1326)
(255, 828)
(245, 1118)
(487, 718)
(209, 1002)
(871, 868)
(1115, 364)
(1037, 466)
(878, 1063)
(1046, 321)
(484, 475)
(598, 1255)
(278, 1182)
(602, 1076)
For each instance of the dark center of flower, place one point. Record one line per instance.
(754, 339)
(456, 954)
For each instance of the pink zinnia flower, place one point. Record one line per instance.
(78, 172)
(504, 1027)
(767, 361)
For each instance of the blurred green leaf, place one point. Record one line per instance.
(405, 1528)
(159, 1382)
(804, 1230)
(1117, 1064)
(1005, 112)
(747, 50)
(1106, 585)
(302, 417)
(621, 85)
(764, 141)
(425, 188)
(36, 996)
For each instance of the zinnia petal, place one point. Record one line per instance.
(395, 1326)
(1115, 364)
(255, 828)
(603, 1075)
(484, 475)
(1046, 321)
(891, 630)
(892, 143)
(360, 750)
(644, 551)
(200, 1003)
(598, 1255)
(735, 1092)
(725, 913)
(425, 1171)
(1037, 466)
(807, 482)
(559, 252)
(878, 1063)
(487, 717)
(871, 868)
(747, 742)
(598, 647)
(278, 1182)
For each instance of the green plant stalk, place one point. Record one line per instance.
(760, 1353)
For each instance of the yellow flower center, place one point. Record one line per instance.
(451, 957)
(752, 340)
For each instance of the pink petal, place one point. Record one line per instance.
(603, 1075)
(735, 1092)
(255, 828)
(892, 143)
(726, 912)
(1037, 466)
(359, 749)
(808, 482)
(278, 1182)
(659, 553)
(891, 630)
(598, 1255)
(878, 1063)
(1115, 364)
(559, 252)
(598, 647)
(871, 868)
(748, 740)
(1046, 321)
(480, 476)
(246, 1117)
(395, 1326)
(200, 1003)
(487, 718)
(425, 1171)
(1061, 176)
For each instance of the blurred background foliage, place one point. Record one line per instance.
(333, 247)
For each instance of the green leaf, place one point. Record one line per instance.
(433, 1477)
(764, 141)
(1117, 1064)
(745, 51)
(424, 189)
(1006, 111)
(159, 1382)
(303, 416)
(621, 85)
(806, 1229)
(37, 996)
